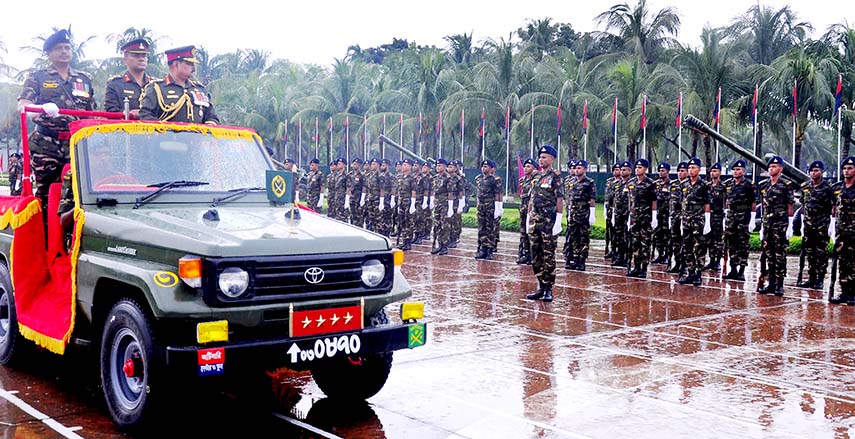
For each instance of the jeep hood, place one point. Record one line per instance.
(242, 230)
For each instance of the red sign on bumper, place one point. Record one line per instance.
(326, 321)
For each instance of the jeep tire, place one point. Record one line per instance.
(355, 377)
(12, 343)
(130, 365)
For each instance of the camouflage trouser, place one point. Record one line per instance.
(47, 170)
(342, 212)
(331, 207)
(543, 246)
(580, 237)
(815, 244)
(693, 244)
(405, 222)
(357, 213)
(423, 220)
(642, 236)
(713, 241)
(662, 235)
(736, 237)
(844, 249)
(610, 232)
(775, 248)
(676, 240)
(525, 243)
(387, 216)
(620, 237)
(372, 213)
(313, 202)
(486, 226)
(456, 223)
(442, 224)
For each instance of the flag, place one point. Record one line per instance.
(507, 121)
(439, 126)
(717, 110)
(481, 128)
(754, 107)
(558, 125)
(644, 112)
(585, 116)
(795, 100)
(614, 118)
(679, 118)
(838, 95)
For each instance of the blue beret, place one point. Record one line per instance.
(340, 160)
(489, 163)
(530, 161)
(642, 162)
(616, 166)
(385, 162)
(682, 165)
(374, 160)
(665, 165)
(441, 161)
(817, 164)
(847, 161)
(715, 165)
(407, 162)
(739, 164)
(547, 149)
(776, 160)
(458, 163)
(315, 161)
(60, 36)
(571, 163)
(399, 162)
(695, 161)
(356, 160)
(625, 164)
(582, 163)
(288, 161)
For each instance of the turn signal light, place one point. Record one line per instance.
(190, 271)
(398, 257)
(412, 311)
(212, 331)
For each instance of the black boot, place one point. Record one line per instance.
(850, 294)
(632, 272)
(580, 264)
(676, 269)
(436, 250)
(807, 284)
(685, 279)
(537, 294)
(818, 285)
(769, 288)
(406, 245)
(779, 288)
(488, 254)
(570, 264)
(523, 257)
(714, 265)
(608, 255)
(740, 275)
(452, 244)
(732, 273)
(642, 272)
(547, 293)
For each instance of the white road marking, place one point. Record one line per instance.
(67, 432)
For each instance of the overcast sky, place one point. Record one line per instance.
(316, 32)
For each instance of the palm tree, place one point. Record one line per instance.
(460, 47)
(842, 38)
(644, 34)
(771, 33)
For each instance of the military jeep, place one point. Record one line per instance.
(180, 266)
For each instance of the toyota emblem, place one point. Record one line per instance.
(314, 275)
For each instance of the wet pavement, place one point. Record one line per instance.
(610, 357)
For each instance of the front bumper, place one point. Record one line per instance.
(296, 353)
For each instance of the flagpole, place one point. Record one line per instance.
(285, 137)
(347, 139)
(483, 135)
(795, 114)
(401, 133)
(558, 148)
(585, 124)
(383, 145)
(317, 139)
(439, 128)
(616, 127)
(644, 127)
(680, 132)
(365, 152)
(508, 149)
(300, 142)
(531, 144)
(462, 131)
(839, 150)
(717, 124)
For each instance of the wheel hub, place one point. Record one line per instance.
(133, 367)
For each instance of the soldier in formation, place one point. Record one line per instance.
(525, 182)
(568, 181)
(581, 215)
(342, 203)
(739, 220)
(489, 209)
(675, 220)
(817, 199)
(776, 196)
(354, 199)
(406, 204)
(608, 210)
(457, 181)
(843, 224)
(371, 193)
(444, 209)
(16, 173)
(425, 203)
(386, 208)
(695, 216)
(546, 204)
(315, 186)
(662, 232)
(642, 202)
(620, 218)
(713, 240)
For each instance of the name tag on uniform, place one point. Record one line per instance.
(50, 85)
(200, 98)
(130, 92)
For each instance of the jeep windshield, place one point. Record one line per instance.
(118, 161)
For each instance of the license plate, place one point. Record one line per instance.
(326, 321)
(348, 344)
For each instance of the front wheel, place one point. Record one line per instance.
(129, 365)
(12, 343)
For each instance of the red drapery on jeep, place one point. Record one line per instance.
(43, 283)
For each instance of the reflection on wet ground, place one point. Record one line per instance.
(610, 357)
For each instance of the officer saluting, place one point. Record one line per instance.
(129, 84)
(177, 98)
(545, 212)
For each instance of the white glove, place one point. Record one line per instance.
(392, 203)
(831, 227)
(320, 201)
(382, 204)
(528, 225)
(724, 221)
(424, 203)
(296, 197)
(450, 212)
(752, 222)
(803, 227)
(362, 200)
(654, 222)
(51, 109)
(462, 202)
(761, 233)
(606, 212)
(592, 217)
(613, 218)
(629, 222)
(432, 203)
(670, 223)
(681, 228)
(412, 206)
(347, 201)
(556, 229)
(707, 227)
(497, 209)
(789, 233)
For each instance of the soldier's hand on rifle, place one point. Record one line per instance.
(831, 227)
(654, 222)
(556, 228)
(707, 227)
(789, 232)
(382, 204)
(592, 217)
(347, 201)
(497, 209)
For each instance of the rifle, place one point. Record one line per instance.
(724, 255)
(763, 268)
(833, 271)
(608, 231)
(801, 260)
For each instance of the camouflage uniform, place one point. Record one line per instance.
(459, 182)
(713, 241)
(580, 193)
(776, 199)
(642, 194)
(340, 192)
(546, 190)
(662, 234)
(675, 205)
(694, 199)
(568, 181)
(424, 222)
(49, 141)
(353, 187)
(442, 193)
(844, 241)
(332, 201)
(740, 199)
(620, 212)
(610, 204)
(371, 189)
(163, 99)
(488, 187)
(16, 172)
(386, 182)
(817, 202)
(406, 188)
(525, 195)
(315, 187)
(121, 87)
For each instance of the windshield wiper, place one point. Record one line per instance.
(235, 193)
(162, 186)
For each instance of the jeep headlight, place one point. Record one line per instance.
(233, 281)
(373, 272)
